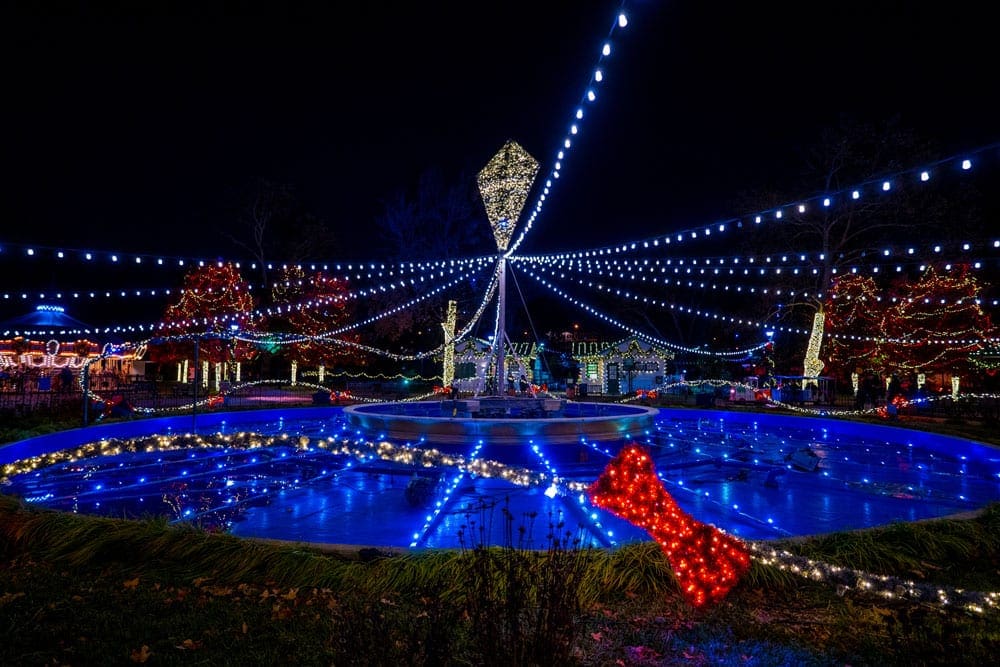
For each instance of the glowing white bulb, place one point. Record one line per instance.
(606, 51)
(622, 20)
(966, 164)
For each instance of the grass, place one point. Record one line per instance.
(87, 590)
(81, 590)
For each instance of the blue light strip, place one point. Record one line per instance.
(590, 515)
(435, 516)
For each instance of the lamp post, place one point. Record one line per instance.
(504, 184)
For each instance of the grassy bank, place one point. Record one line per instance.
(79, 590)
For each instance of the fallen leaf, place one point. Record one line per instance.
(7, 597)
(291, 594)
(245, 628)
(189, 645)
(132, 584)
(141, 655)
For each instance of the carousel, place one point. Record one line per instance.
(45, 350)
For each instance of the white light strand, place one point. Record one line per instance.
(651, 339)
(873, 186)
(598, 74)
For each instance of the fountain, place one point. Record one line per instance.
(497, 415)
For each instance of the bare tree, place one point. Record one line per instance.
(273, 226)
(437, 221)
(852, 231)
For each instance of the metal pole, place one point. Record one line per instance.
(197, 381)
(86, 393)
(500, 336)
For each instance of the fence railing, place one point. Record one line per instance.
(148, 397)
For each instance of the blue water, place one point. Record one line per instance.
(748, 474)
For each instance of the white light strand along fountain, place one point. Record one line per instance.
(496, 417)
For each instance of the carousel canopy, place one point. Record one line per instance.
(46, 321)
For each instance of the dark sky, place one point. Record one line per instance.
(136, 126)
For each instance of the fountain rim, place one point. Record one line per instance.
(626, 421)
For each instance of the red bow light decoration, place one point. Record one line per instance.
(706, 561)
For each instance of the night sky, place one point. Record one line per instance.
(138, 129)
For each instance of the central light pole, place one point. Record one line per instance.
(504, 184)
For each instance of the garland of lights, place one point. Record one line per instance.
(652, 271)
(967, 301)
(607, 318)
(880, 185)
(581, 261)
(589, 97)
(373, 376)
(360, 269)
(593, 258)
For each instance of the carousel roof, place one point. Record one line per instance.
(46, 321)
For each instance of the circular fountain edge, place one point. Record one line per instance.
(501, 420)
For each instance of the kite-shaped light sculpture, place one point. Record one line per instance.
(504, 184)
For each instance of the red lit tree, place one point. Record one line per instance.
(312, 305)
(931, 324)
(215, 301)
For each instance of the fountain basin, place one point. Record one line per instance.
(501, 420)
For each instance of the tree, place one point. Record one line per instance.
(214, 302)
(312, 304)
(925, 325)
(273, 226)
(436, 222)
(849, 231)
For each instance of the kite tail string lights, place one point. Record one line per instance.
(706, 561)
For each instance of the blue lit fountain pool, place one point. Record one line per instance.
(308, 475)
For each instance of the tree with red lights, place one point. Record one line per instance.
(214, 302)
(311, 305)
(929, 324)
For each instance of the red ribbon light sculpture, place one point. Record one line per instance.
(706, 561)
